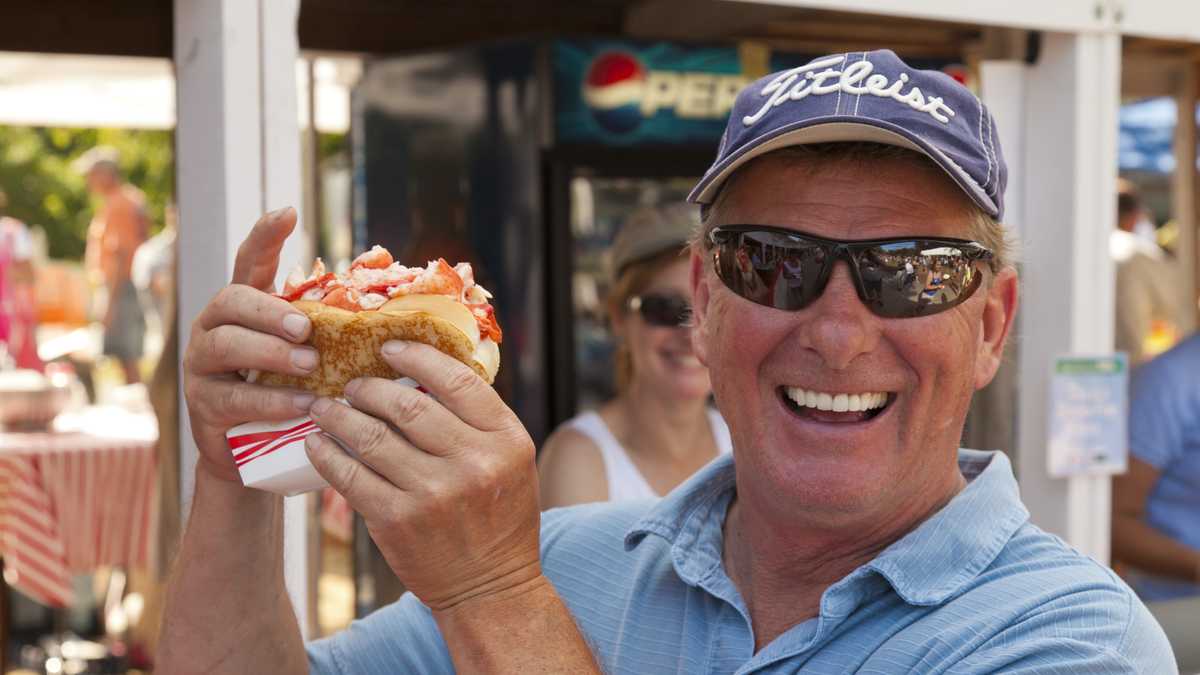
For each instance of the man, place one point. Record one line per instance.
(118, 228)
(1156, 504)
(152, 272)
(852, 536)
(1146, 304)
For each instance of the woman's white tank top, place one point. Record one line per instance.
(625, 482)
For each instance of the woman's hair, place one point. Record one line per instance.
(634, 279)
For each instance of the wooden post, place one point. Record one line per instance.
(1183, 193)
(4, 619)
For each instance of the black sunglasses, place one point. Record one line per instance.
(894, 278)
(667, 311)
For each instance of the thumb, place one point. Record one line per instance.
(258, 256)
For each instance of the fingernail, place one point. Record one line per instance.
(274, 215)
(304, 359)
(295, 325)
(352, 386)
(314, 440)
(320, 406)
(394, 347)
(303, 401)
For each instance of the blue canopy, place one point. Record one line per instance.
(1147, 131)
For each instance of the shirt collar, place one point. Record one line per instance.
(927, 566)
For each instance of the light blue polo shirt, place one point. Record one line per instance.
(974, 589)
(1164, 432)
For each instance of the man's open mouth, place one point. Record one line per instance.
(836, 408)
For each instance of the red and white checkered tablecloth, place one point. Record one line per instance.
(76, 498)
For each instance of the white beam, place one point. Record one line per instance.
(282, 186)
(1068, 176)
(217, 160)
(1162, 19)
(237, 156)
(1002, 89)
(1059, 15)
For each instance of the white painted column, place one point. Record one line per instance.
(1002, 89)
(237, 156)
(1068, 177)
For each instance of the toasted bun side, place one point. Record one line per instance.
(349, 345)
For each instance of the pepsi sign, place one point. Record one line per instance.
(616, 92)
(623, 93)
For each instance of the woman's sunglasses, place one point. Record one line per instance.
(667, 311)
(894, 278)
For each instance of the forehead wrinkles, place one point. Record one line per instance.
(843, 191)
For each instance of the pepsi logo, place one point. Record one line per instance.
(613, 89)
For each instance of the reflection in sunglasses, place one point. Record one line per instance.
(894, 278)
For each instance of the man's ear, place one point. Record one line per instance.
(999, 313)
(699, 284)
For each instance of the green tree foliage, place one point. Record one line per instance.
(43, 190)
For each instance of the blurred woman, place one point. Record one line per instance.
(659, 429)
(18, 295)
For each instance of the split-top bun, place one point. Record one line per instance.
(353, 314)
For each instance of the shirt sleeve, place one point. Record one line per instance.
(1157, 413)
(400, 638)
(22, 244)
(403, 637)
(1096, 632)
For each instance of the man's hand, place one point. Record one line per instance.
(447, 485)
(228, 581)
(245, 328)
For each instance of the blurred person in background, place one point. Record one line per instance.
(153, 274)
(119, 226)
(18, 306)
(659, 429)
(1156, 503)
(1146, 304)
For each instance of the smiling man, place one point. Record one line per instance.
(852, 289)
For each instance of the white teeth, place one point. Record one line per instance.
(837, 402)
(841, 403)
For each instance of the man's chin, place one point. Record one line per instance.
(832, 487)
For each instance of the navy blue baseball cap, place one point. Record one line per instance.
(865, 96)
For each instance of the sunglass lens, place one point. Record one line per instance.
(917, 278)
(665, 310)
(771, 269)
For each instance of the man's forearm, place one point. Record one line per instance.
(524, 630)
(227, 608)
(1140, 545)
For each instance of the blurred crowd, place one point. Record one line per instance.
(116, 304)
(1156, 503)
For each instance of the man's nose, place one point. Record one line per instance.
(838, 326)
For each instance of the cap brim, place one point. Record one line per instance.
(838, 131)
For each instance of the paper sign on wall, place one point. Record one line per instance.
(1088, 415)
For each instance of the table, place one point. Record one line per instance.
(77, 497)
